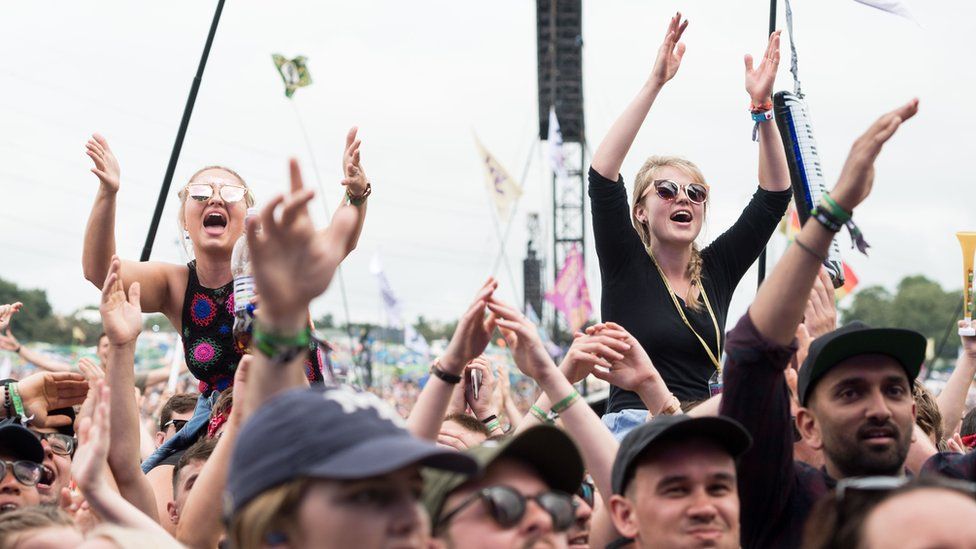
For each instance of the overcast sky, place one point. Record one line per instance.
(418, 77)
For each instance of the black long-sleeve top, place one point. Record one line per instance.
(634, 295)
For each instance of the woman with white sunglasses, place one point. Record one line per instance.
(656, 282)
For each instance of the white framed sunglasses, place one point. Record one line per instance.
(201, 192)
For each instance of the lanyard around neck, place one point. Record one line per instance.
(681, 312)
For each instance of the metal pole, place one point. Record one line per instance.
(761, 267)
(180, 134)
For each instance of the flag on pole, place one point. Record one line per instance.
(293, 72)
(394, 314)
(557, 158)
(896, 7)
(504, 191)
(570, 295)
(850, 282)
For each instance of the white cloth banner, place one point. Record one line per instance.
(557, 159)
(896, 7)
(391, 304)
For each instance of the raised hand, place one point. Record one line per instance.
(968, 342)
(589, 350)
(857, 176)
(523, 339)
(473, 332)
(634, 368)
(106, 165)
(760, 80)
(91, 459)
(294, 263)
(121, 316)
(671, 51)
(6, 312)
(8, 342)
(820, 316)
(354, 176)
(45, 391)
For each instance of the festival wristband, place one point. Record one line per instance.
(495, 424)
(281, 348)
(827, 220)
(359, 200)
(540, 414)
(489, 419)
(842, 215)
(15, 397)
(565, 403)
(760, 116)
(766, 105)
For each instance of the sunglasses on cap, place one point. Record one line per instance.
(668, 190)
(26, 472)
(507, 507)
(61, 444)
(201, 192)
(176, 423)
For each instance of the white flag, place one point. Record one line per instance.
(391, 305)
(415, 341)
(557, 159)
(896, 7)
(503, 189)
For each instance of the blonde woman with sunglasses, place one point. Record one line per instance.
(657, 284)
(197, 298)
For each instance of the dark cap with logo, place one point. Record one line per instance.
(905, 346)
(547, 450)
(336, 434)
(726, 432)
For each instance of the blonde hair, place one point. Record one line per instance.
(273, 511)
(645, 177)
(16, 523)
(181, 222)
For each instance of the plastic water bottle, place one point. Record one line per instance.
(240, 267)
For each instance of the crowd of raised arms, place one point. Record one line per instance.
(821, 436)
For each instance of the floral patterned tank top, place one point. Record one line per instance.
(208, 340)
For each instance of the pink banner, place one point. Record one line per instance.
(570, 296)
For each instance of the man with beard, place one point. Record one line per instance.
(21, 456)
(854, 388)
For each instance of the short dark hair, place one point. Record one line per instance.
(198, 451)
(180, 403)
(928, 416)
(469, 423)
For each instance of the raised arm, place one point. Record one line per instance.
(99, 244)
(287, 244)
(357, 187)
(9, 343)
(952, 399)
(470, 338)
(613, 149)
(779, 305)
(774, 173)
(122, 321)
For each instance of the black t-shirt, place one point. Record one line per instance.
(634, 295)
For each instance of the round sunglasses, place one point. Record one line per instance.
(507, 507)
(26, 472)
(201, 192)
(668, 190)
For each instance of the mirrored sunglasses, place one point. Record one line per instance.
(202, 192)
(668, 190)
(27, 473)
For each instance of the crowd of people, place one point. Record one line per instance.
(806, 434)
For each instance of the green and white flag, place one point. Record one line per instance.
(293, 72)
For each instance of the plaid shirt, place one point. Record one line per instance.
(952, 465)
(776, 493)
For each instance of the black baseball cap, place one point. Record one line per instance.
(335, 433)
(18, 442)
(728, 433)
(857, 338)
(546, 449)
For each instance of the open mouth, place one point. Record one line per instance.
(48, 476)
(215, 219)
(581, 540)
(681, 216)
(8, 506)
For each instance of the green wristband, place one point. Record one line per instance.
(272, 345)
(565, 403)
(15, 397)
(842, 215)
(540, 414)
(494, 424)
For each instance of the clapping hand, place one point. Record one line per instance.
(857, 176)
(760, 80)
(6, 312)
(121, 316)
(634, 368)
(589, 350)
(523, 339)
(106, 165)
(91, 459)
(473, 332)
(670, 53)
(354, 176)
(294, 263)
